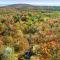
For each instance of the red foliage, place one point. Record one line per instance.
(49, 33)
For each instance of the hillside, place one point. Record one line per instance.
(29, 32)
(27, 6)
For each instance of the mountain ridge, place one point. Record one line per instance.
(27, 6)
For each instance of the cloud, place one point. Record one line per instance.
(34, 2)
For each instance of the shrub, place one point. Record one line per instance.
(16, 18)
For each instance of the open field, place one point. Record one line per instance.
(29, 32)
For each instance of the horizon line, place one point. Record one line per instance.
(28, 4)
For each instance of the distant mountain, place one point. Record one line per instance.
(27, 6)
(18, 5)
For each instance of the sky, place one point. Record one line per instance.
(33, 2)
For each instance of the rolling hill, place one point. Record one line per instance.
(28, 6)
